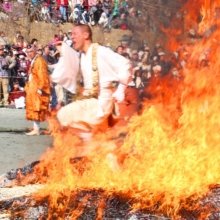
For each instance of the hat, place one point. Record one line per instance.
(125, 38)
(124, 42)
(146, 48)
(134, 52)
(155, 58)
(161, 54)
(157, 68)
(69, 31)
(15, 82)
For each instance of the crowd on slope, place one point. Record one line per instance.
(147, 64)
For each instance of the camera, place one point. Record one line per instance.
(5, 67)
(8, 47)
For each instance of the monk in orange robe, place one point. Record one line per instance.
(37, 90)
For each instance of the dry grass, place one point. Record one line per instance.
(44, 32)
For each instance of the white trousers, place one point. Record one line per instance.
(36, 125)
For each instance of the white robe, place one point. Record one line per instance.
(111, 67)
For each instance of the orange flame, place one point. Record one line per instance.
(170, 153)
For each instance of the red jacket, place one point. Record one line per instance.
(62, 3)
(16, 94)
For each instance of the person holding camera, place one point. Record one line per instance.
(6, 64)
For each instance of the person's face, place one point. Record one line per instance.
(21, 39)
(31, 53)
(79, 37)
(39, 51)
(2, 34)
(124, 45)
(46, 50)
(1, 51)
(35, 43)
(135, 56)
(162, 57)
(120, 50)
(16, 86)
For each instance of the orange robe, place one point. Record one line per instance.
(36, 104)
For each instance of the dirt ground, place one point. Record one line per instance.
(17, 149)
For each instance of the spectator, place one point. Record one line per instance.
(98, 12)
(21, 43)
(56, 39)
(15, 40)
(76, 16)
(165, 65)
(134, 58)
(63, 6)
(16, 94)
(7, 6)
(126, 55)
(65, 37)
(138, 79)
(119, 50)
(56, 15)
(60, 35)
(78, 4)
(120, 22)
(34, 42)
(3, 39)
(45, 12)
(115, 11)
(106, 7)
(91, 3)
(47, 56)
(86, 19)
(40, 52)
(22, 68)
(6, 64)
(69, 34)
(103, 21)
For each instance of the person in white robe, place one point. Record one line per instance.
(90, 114)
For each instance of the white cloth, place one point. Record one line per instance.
(67, 69)
(111, 67)
(36, 125)
(103, 20)
(20, 102)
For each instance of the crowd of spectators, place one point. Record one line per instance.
(107, 14)
(146, 65)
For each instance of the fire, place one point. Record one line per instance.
(170, 155)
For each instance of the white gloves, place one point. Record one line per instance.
(119, 94)
(39, 91)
